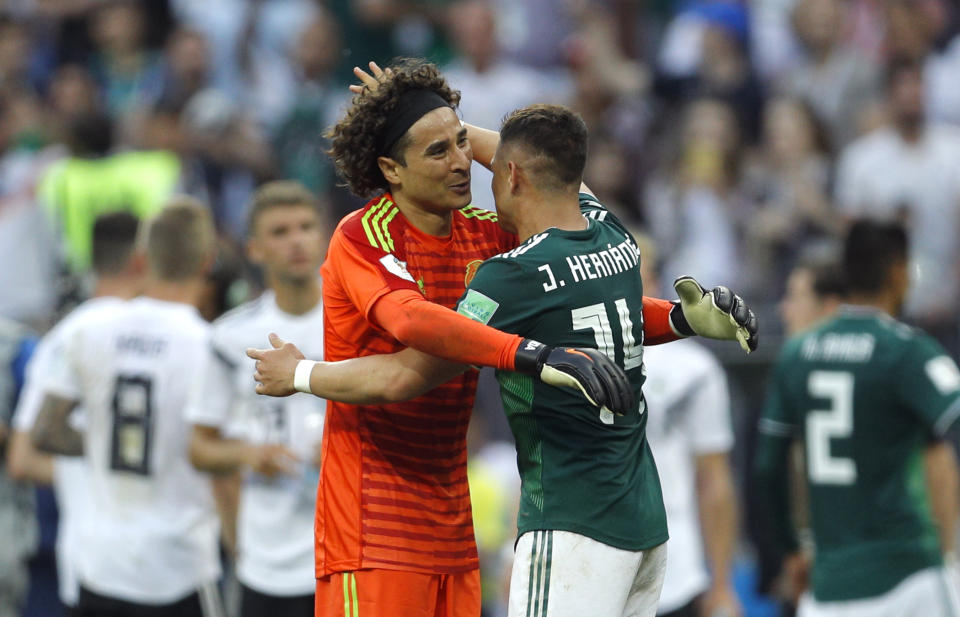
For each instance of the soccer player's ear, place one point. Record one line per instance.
(389, 169)
(515, 177)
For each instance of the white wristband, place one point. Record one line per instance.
(301, 376)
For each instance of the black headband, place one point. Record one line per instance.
(413, 105)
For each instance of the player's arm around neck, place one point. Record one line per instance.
(369, 380)
(52, 431)
(483, 142)
(379, 379)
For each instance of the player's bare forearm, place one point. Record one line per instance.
(380, 379)
(226, 496)
(52, 431)
(944, 490)
(210, 451)
(718, 514)
(369, 380)
(483, 142)
(25, 463)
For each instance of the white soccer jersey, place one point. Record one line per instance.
(275, 521)
(151, 535)
(69, 472)
(686, 392)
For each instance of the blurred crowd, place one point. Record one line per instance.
(740, 136)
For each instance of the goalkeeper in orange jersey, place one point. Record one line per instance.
(394, 532)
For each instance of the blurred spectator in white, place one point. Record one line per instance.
(834, 77)
(27, 248)
(943, 88)
(298, 141)
(188, 66)
(223, 150)
(911, 171)
(266, 78)
(490, 84)
(867, 23)
(926, 30)
(129, 74)
(534, 32)
(690, 433)
(224, 154)
(773, 47)
(692, 204)
(789, 184)
(249, 41)
(705, 53)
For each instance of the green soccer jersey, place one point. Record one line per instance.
(582, 470)
(865, 392)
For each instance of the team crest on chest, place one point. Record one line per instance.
(471, 271)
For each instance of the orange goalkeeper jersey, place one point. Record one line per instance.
(393, 488)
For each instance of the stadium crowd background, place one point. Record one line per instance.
(739, 136)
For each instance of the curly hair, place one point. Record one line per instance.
(354, 138)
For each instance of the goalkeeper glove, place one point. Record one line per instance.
(717, 313)
(601, 381)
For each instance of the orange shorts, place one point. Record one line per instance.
(395, 593)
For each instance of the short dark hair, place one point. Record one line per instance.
(355, 138)
(898, 65)
(114, 238)
(553, 133)
(870, 250)
(279, 193)
(827, 275)
(90, 134)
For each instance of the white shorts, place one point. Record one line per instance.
(564, 574)
(927, 593)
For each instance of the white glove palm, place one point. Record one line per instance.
(717, 313)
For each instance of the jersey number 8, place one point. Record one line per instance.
(132, 424)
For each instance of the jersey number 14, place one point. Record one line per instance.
(594, 317)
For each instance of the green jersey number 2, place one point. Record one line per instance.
(836, 422)
(594, 317)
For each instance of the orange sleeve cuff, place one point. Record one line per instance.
(657, 328)
(434, 329)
